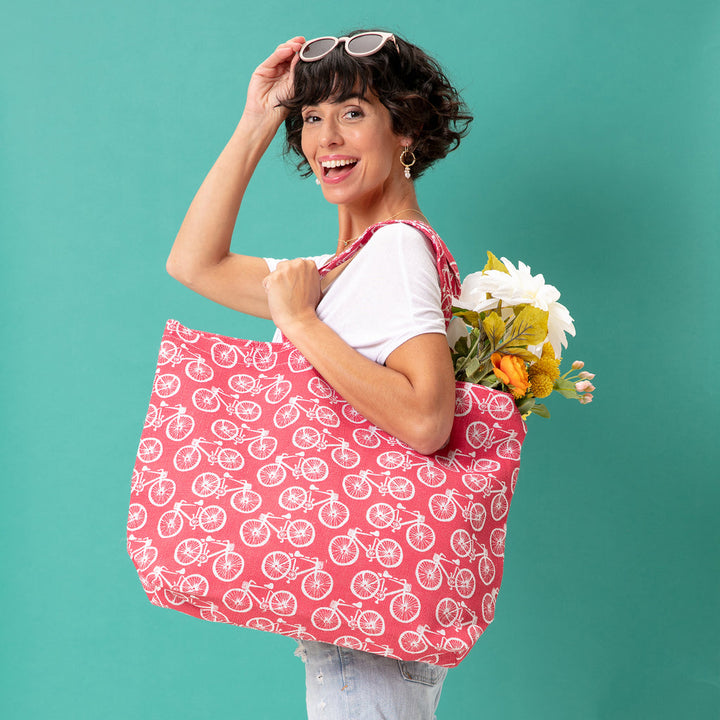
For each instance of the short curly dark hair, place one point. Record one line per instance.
(422, 102)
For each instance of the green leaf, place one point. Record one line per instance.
(566, 388)
(468, 316)
(541, 410)
(472, 367)
(528, 328)
(521, 352)
(494, 328)
(494, 264)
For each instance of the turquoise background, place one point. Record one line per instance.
(593, 157)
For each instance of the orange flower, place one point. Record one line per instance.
(512, 371)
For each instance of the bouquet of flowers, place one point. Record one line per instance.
(508, 332)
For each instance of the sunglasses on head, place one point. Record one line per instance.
(360, 45)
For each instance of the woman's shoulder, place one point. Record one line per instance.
(402, 237)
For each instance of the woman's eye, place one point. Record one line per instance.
(354, 114)
(310, 119)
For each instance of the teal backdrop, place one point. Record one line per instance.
(593, 158)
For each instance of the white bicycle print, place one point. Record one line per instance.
(419, 535)
(345, 549)
(404, 605)
(211, 399)
(359, 486)
(331, 617)
(313, 469)
(290, 413)
(261, 445)
(142, 552)
(427, 473)
(227, 565)
(244, 599)
(332, 513)
(196, 367)
(482, 436)
(258, 354)
(316, 583)
(178, 424)
(465, 545)
(188, 457)
(281, 627)
(444, 507)
(307, 437)
(256, 532)
(161, 489)
(276, 388)
(430, 574)
(498, 406)
(210, 519)
(415, 643)
(177, 587)
(244, 499)
(366, 644)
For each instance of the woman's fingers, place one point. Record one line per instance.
(272, 79)
(293, 291)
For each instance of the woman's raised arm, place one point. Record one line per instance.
(200, 257)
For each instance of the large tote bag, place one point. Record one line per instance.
(261, 498)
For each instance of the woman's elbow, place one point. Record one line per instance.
(431, 434)
(179, 270)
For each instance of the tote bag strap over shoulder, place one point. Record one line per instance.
(448, 274)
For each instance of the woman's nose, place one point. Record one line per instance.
(331, 134)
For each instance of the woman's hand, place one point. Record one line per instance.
(293, 292)
(272, 81)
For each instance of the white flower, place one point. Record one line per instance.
(456, 329)
(518, 286)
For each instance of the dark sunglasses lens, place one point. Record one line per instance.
(367, 43)
(318, 48)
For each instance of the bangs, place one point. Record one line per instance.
(350, 78)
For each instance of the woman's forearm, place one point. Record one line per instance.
(205, 234)
(414, 403)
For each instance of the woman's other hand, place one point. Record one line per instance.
(293, 292)
(272, 81)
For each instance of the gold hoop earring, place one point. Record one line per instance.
(407, 162)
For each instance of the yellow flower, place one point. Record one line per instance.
(512, 371)
(544, 372)
(540, 384)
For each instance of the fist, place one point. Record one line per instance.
(293, 292)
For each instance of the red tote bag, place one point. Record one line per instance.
(261, 498)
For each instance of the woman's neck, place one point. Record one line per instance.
(353, 221)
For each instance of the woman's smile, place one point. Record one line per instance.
(336, 168)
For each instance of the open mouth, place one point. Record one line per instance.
(337, 168)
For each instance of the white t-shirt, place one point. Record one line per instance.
(387, 294)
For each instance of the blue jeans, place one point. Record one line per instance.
(345, 684)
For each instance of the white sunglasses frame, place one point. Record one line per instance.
(384, 37)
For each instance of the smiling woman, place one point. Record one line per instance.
(366, 114)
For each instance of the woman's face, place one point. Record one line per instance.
(351, 147)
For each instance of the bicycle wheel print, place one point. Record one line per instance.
(371, 623)
(161, 492)
(317, 585)
(325, 618)
(224, 355)
(199, 371)
(365, 584)
(300, 533)
(334, 514)
(228, 566)
(420, 537)
(179, 427)
(405, 607)
(283, 603)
